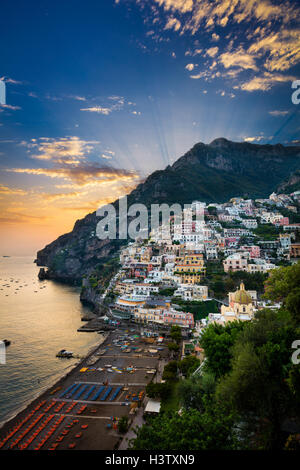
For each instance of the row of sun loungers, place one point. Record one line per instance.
(85, 392)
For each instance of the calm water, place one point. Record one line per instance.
(40, 318)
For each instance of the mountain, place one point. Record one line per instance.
(291, 184)
(210, 173)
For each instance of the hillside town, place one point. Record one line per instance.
(197, 273)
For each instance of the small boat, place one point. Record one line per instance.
(64, 353)
(6, 342)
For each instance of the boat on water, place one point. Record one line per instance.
(64, 353)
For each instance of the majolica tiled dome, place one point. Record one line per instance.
(241, 296)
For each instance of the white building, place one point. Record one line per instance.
(190, 292)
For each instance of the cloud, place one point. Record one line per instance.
(195, 52)
(199, 75)
(212, 51)
(11, 80)
(263, 35)
(278, 113)
(183, 6)
(215, 37)
(238, 58)
(190, 67)
(224, 93)
(98, 109)
(66, 150)
(118, 103)
(283, 49)
(265, 82)
(77, 98)
(254, 139)
(5, 190)
(83, 174)
(56, 196)
(10, 107)
(173, 23)
(90, 206)
(257, 138)
(221, 12)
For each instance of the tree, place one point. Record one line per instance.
(175, 333)
(170, 371)
(158, 390)
(173, 347)
(190, 430)
(252, 281)
(283, 285)
(256, 386)
(123, 424)
(217, 341)
(188, 365)
(196, 390)
(190, 393)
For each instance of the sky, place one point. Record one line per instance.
(99, 94)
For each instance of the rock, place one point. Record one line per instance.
(43, 274)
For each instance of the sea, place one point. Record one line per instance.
(39, 318)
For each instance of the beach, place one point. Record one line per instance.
(68, 416)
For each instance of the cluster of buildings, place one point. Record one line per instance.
(171, 265)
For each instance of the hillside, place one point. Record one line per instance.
(211, 173)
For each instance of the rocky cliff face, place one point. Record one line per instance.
(291, 184)
(76, 253)
(211, 173)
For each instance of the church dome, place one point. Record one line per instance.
(241, 296)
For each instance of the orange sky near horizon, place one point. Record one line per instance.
(30, 219)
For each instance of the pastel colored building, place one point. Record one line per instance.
(235, 262)
(241, 307)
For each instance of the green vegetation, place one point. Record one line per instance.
(123, 424)
(93, 281)
(170, 371)
(188, 365)
(252, 281)
(171, 401)
(191, 430)
(217, 342)
(294, 218)
(167, 292)
(267, 231)
(284, 286)
(173, 347)
(222, 283)
(200, 309)
(196, 390)
(100, 277)
(175, 333)
(248, 388)
(158, 390)
(58, 260)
